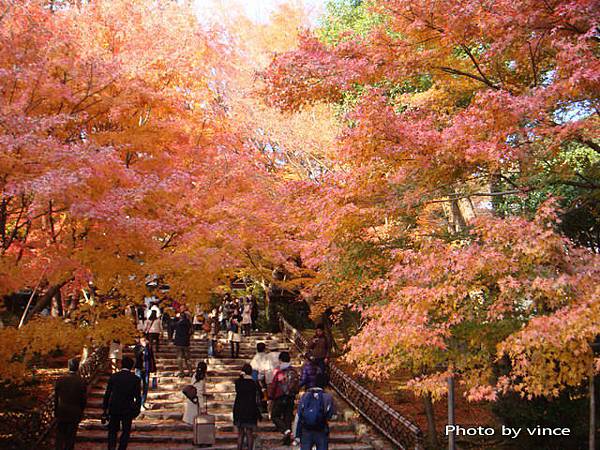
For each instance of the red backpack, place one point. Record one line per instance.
(289, 383)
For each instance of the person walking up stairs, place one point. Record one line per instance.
(282, 392)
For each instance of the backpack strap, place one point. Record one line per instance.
(147, 329)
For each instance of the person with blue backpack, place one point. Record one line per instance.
(315, 409)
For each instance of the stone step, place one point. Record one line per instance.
(245, 354)
(174, 389)
(224, 413)
(168, 426)
(254, 338)
(174, 401)
(163, 394)
(178, 384)
(162, 414)
(170, 372)
(172, 378)
(245, 342)
(244, 346)
(189, 446)
(173, 370)
(171, 357)
(186, 436)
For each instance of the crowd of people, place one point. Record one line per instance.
(268, 384)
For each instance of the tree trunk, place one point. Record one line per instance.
(458, 220)
(266, 291)
(85, 353)
(495, 186)
(432, 436)
(57, 305)
(45, 299)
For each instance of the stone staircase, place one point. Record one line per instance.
(161, 427)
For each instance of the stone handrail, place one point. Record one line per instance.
(30, 429)
(398, 429)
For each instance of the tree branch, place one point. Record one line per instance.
(452, 71)
(476, 64)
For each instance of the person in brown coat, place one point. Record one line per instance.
(70, 398)
(319, 348)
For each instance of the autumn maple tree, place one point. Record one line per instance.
(120, 158)
(461, 120)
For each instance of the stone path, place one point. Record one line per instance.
(160, 427)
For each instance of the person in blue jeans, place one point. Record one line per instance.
(315, 409)
(144, 365)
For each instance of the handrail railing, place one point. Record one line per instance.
(388, 421)
(30, 429)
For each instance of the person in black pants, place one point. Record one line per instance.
(70, 396)
(246, 411)
(181, 339)
(145, 364)
(235, 336)
(122, 403)
(167, 323)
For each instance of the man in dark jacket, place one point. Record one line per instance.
(70, 397)
(122, 402)
(167, 322)
(145, 364)
(183, 332)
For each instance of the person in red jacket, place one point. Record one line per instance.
(282, 392)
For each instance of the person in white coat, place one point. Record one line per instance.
(234, 336)
(115, 355)
(190, 409)
(263, 364)
(153, 328)
(247, 318)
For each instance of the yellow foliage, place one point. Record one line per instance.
(42, 336)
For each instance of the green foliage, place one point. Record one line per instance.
(568, 177)
(346, 19)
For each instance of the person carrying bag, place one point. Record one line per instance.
(204, 432)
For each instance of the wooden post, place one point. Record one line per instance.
(451, 421)
(595, 347)
(592, 435)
